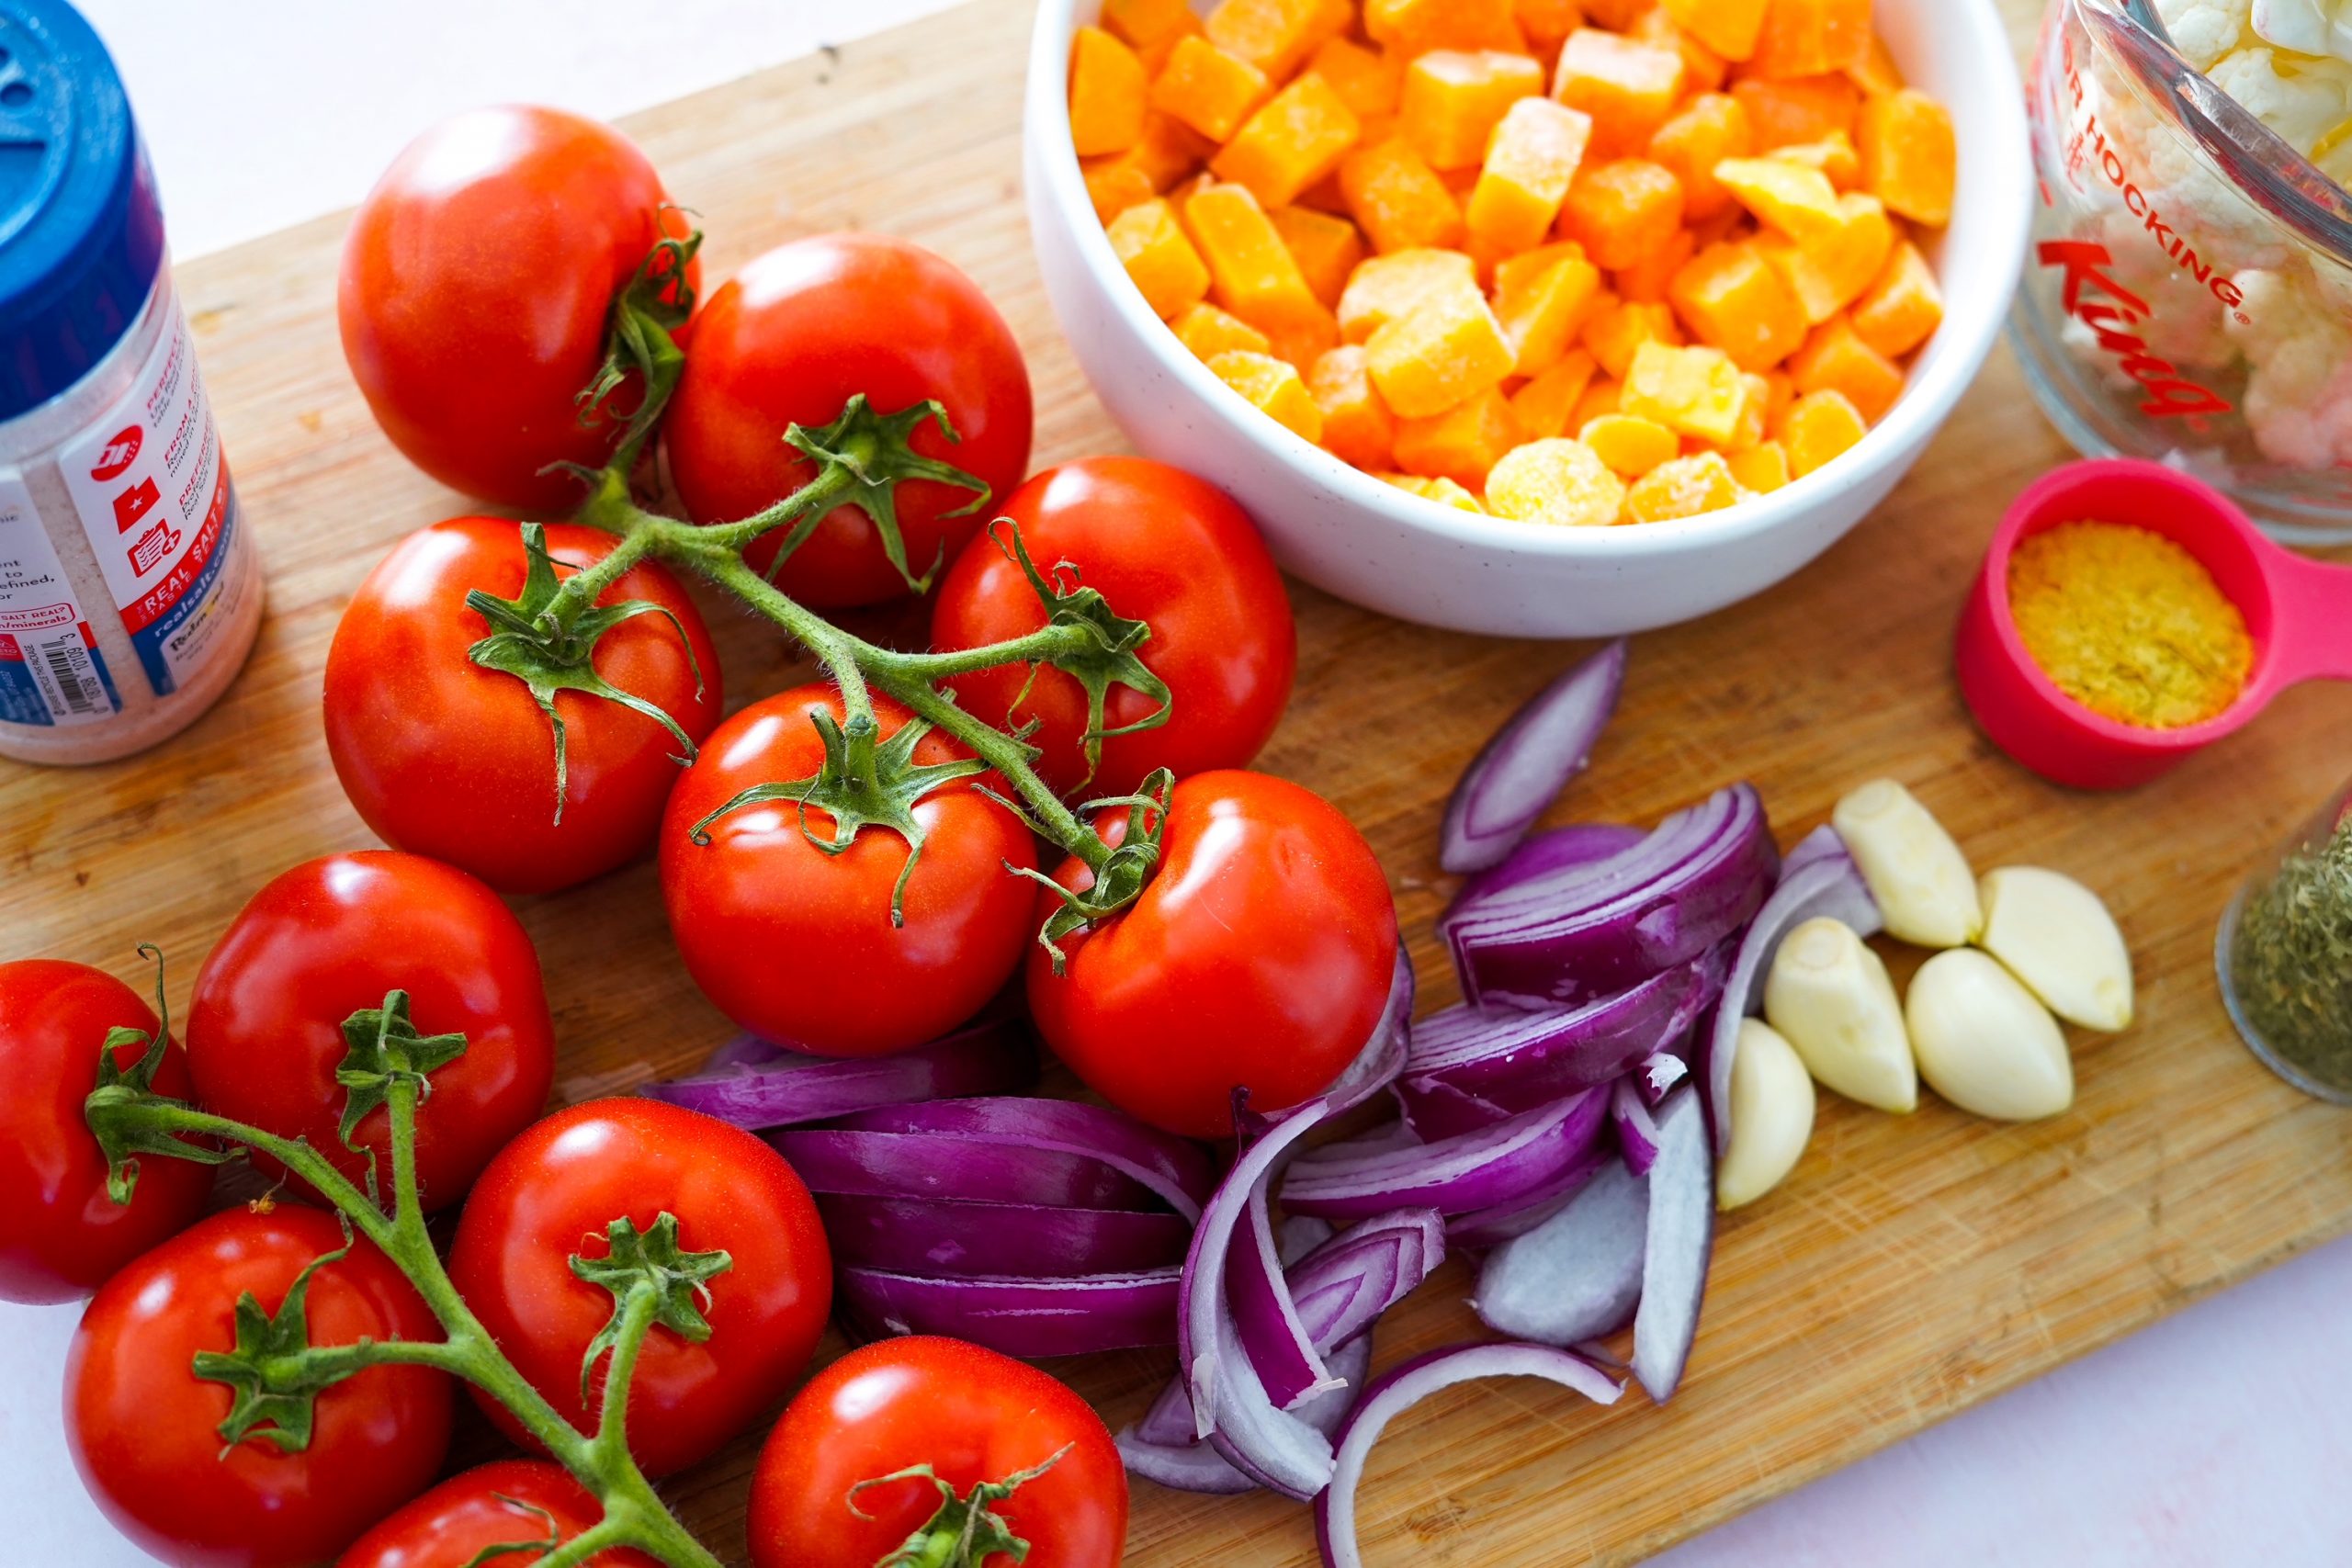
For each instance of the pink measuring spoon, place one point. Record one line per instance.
(2298, 612)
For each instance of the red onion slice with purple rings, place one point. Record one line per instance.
(936, 1236)
(1179, 1171)
(757, 1086)
(1678, 1243)
(1030, 1318)
(1522, 770)
(1511, 1163)
(1578, 1275)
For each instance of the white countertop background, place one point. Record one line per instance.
(2220, 1437)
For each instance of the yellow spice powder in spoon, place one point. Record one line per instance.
(2129, 624)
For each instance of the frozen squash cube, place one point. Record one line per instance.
(1276, 36)
(1443, 490)
(1562, 483)
(1454, 98)
(1629, 444)
(1807, 109)
(1460, 444)
(1106, 94)
(1622, 211)
(1708, 128)
(1208, 89)
(1702, 69)
(1834, 155)
(1754, 415)
(1730, 27)
(1113, 183)
(1275, 387)
(1367, 81)
(1547, 403)
(1816, 428)
(1648, 280)
(1448, 348)
(1687, 487)
(1208, 332)
(1251, 268)
(1412, 27)
(1762, 469)
(1804, 37)
(1397, 200)
(1798, 202)
(1326, 248)
(1164, 153)
(1615, 14)
(1546, 24)
(1826, 274)
(1604, 394)
(1877, 75)
(1143, 23)
(1297, 137)
(1536, 149)
(1385, 288)
(1694, 391)
(1903, 307)
(1615, 333)
(1730, 298)
(1158, 258)
(1909, 157)
(1628, 87)
(1357, 426)
(1834, 360)
(1542, 298)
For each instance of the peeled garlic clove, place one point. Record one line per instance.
(1983, 1043)
(1917, 875)
(2055, 935)
(1772, 1115)
(1830, 996)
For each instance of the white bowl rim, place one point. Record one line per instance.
(1906, 428)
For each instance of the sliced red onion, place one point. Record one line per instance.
(1506, 1164)
(1436, 1111)
(1554, 849)
(1180, 1467)
(1178, 1171)
(1578, 1275)
(1299, 1234)
(1343, 1287)
(1823, 843)
(1588, 931)
(1206, 1300)
(935, 1236)
(1825, 883)
(1678, 1241)
(1289, 1366)
(1018, 1317)
(745, 1051)
(785, 1088)
(1660, 1071)
(1157, 1451)
(1408, 1385)
(1522, 770)
(910, 1165)
(1636, 1130)
(1492, 1227)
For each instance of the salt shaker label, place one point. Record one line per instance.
(51, 670)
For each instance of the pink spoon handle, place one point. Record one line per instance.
(2313, 603)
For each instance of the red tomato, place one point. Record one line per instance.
(445, 758)
(796, 944)
(490, 1505)
(1260, 954)
(972, 1416)
(142, 1424)
(1165, 549)
(552, 1192)
(328, 939)
(60, 1235)
(478, 283)
(789, 340)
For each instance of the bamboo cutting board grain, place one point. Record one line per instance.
(1911, 1268)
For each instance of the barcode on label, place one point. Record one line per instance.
(75, 690)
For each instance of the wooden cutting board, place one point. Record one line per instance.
(1912, 1266)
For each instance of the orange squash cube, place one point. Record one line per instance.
(1113, 183)
(1790, 113)
(1629, 88)
(1910, 159)
(1447, 349)
(1367, 81)
(1276, 36)
(1708, 128)
(1158, 258)
(1454, 98)
(1544, 406)
(1326, 248)
(1629, 444)
(1463, 443)
(1694, 391)
(1903, 307)
(1877, 75)
(1761, 470)
(1208, 332)
(1357, 426)
(1604, 395)
(1834, 360)
(1828, 274)
(1143, 23)
(1106, 94)
(1166, 152)
(1443, 490)
(1804, 37)
(1730, 27)
(1385, 288)
(1208, 89)
(1754, 415)
(1834, 155)
(1275, 387)
(1730, 298)
(1397, 200)
(1622, 211)
(1534, 155)
(1542, 298)
(1615, 14)
(1616, 333)
(1546, 24)
(1648, 280)
(1687, 487)
(1411, 28)
(1702, 69)
(1296, 140)
(1816, 428)
(1253, 271)
(1798, 202)
(1563, 484)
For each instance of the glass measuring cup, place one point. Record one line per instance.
(2188, 295)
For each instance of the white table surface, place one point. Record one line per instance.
(2218, 1438)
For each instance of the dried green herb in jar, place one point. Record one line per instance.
(2291, 959)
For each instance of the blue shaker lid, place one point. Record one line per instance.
(81, 230)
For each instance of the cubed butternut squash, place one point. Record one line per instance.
(1761, 470)
(1834, 360)
(1910, 159)
(1708, 128)
(1806, 108)
(1443, 490)
(1276, 36)
(1798, 202)
(1646, 281)
(1804, 37)
(1275, 387)
(1604, 394)
(1384, 289)
(1545, 404)
(1209, 89)
(1159, 260)
(1615, 333)
(1251, 268)
(1367, 80)
(1730, 27)
(1687, 487)
(1561, 483)
(1326, 247)
(1828, 274)
(1142, 24)
(1534, 156)
(1296, 138)
(1453, 100)
(1463, 443)
(1106, 94)
(1817, 428)
(1113, 183)
(1208, 332)
(1622, 211)
(1877, 74)
(1357, 426)
(1903, 307)
(1542, 298)
(1447, 349)
(1411, 28)
(1546, 24)
(1694, 391)
(1397, 200)
(1629, 444)
(1731, 298)
(1834, 155)
(1702, 69)
(1629, 88)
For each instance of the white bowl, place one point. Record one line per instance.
(1367, 541)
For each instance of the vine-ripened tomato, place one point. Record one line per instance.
(553, 1191)
(797, 944)
(60, 1235)
(1162, 547)
(501, 1503)
(477, 288)
(972, 1416)
(791, 339)
(142, 1424)
(445, 758)
(1260, 954)
(329, 938)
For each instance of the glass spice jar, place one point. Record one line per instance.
(2285, 956)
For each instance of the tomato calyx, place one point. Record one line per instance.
(275, 1374)
(1121, 878)
(861, 458)
(967, 1531)
(112, 1109)
(646, 310)
(654, 1283)
(384, 1048)
(548, 1542)
(1108, 659)
(546, 639)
